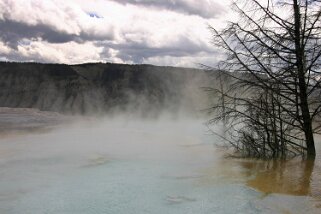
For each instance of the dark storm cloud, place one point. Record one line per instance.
(11, 32)
(203, 8)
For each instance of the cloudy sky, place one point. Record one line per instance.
(161, 32)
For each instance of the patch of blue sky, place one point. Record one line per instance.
(94, 15)
(24, 42)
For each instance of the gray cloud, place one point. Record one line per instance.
(203, 8)
(15, 56)
(11, 32)
(139, 52)
(53, 21)
(75, 32)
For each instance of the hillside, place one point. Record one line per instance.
(99, 88)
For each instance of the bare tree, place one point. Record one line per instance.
(273, 54)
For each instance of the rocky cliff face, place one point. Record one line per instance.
(94, 88)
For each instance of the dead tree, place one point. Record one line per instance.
(273, 54)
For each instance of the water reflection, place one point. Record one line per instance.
(293, 177)
(277, 180)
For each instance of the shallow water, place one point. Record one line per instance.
(133, 166)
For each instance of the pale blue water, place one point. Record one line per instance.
(122, 167)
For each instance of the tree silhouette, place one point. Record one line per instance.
(273, 56)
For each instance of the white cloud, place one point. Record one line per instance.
(68, 32)
(4, 49)
(52, 18)
(71, 52)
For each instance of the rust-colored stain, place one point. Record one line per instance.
(292, 177)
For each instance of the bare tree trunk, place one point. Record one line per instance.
(302, 83)
(275, 62)
(223, 102)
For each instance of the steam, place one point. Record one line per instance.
(100, 89)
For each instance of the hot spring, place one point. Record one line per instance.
(129, 165)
